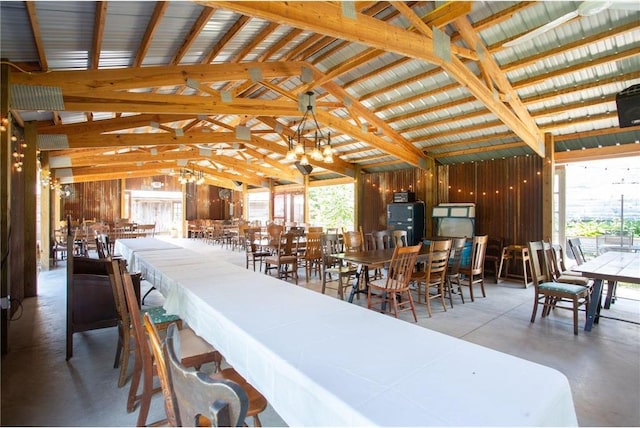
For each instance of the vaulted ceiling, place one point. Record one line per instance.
(145, 88)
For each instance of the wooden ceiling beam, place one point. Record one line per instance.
(152, 26)
(109, 125)
(98, 33)
(230, 34)
(86, 81)
(588, 63)
(156, 103)
(194, 32)
(472, 39)
(37, 36)
(600, 153)
(599, 37)
(595, 133)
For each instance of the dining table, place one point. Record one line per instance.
(612, 266)
(364, 259)
(321, 361)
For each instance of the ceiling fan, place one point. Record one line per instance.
(586, 8)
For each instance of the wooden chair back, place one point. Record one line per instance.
(438, 260)
(401, 267)
(383, 239)
(455, 258)
(313, 249)
(222, 401)
(576, 249)
(537, 258)
(399, 238)
(353, 241)
(315, 229)
(478, 250)
(114, 268)
(331, 244)
(162, 370)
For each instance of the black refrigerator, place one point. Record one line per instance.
(407, 216)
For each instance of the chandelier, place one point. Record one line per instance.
(189, 176)
(321, 147)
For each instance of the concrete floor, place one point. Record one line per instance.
(40, 388)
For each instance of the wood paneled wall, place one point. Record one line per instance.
(377, 192)
(98, 200)
(204, 202)
(507, 193)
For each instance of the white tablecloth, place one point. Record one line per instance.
(127, 247)
(321, 361)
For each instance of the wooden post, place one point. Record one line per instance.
(245, 202)
(548, 167)
(358, 194)
(5, 203)
(306, 199)
(47, 227)
(30, 264)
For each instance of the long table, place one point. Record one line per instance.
(322, 361)
(612, 266)
(127, 247)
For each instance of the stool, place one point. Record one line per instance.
(515, 253)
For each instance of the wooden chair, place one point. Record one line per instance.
(194, 353)
(493, 255)
(253, 251)
(399, 238)
(453, 269)
(474, 273)
(556, 274)
(575, 246)
(383, 239)
(284, 257)
(396, 284)
(549, 293)
(253, 402)
(58, 247)
(331, 245)
(126, 334)
(225, 398)
(434, 275)
(353, 241)
(312, 256)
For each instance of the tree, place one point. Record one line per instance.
(332, 206)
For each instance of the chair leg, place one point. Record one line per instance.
(256, 421)
(450, 293)
(441, 291)
(126, 352)
(471, 287)
(135, 382)
(535, 309)
(413, 307)
(575, 315)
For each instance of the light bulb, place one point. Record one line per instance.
(299, 149)
(304, 160)
(291, 155)
(316, 154)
